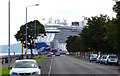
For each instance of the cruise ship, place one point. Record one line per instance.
(57, 33)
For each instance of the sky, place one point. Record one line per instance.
(71, 10)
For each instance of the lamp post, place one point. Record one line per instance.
(9, 34)
(26, 23)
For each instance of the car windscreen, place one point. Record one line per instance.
(25, 64)
(113, 57)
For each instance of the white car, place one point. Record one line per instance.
(25, 67)
(98, 58)
(111, 59)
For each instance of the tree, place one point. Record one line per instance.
(85, 36)
(111, 35)
(71, 43)
(116, 8)
(21, 34)
(93, 34)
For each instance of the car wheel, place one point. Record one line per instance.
(97, 61)
(110, 63)
(106, 63)
(117, 64)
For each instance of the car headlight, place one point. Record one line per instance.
(36, 73)
(14, 73)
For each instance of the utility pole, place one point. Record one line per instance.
(8, 34)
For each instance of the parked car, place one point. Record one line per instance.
(111, 59)
(103, 58)
(98, 58)
(25, 67)
(67, 53)
(57, 54)
(93, 57)
(49, 55)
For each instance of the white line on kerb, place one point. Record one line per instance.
(50, 68)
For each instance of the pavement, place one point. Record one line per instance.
(66, 65)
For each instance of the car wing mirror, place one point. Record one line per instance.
(39, 66)
(10, 67)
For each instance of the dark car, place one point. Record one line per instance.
(57, 54)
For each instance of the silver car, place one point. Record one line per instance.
(98, 58)
(103, 58)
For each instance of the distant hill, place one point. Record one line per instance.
(13, 47)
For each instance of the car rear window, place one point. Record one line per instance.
(104, 57)
(93, 55)
(112, 56)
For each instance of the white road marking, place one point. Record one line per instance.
(50, 68)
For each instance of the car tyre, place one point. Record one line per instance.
(117, 64)
(97, 61)
(106, 63)
(100, 62)
(110, 63)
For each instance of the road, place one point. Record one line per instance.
(69, 65)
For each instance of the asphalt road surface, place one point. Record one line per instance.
(71, 66)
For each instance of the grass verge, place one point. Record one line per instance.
(40, 58)
(4, 70)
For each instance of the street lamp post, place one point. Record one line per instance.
(26, 32)
(9, 34)
(26, 23)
